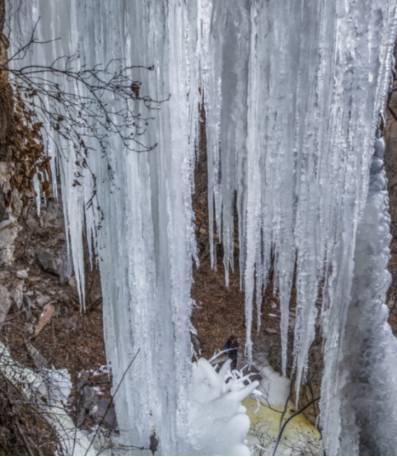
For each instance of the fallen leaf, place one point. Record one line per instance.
(45, 317)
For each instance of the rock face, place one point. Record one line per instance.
(30, 246)
(391, 172)
(40, 319)
(8, 226)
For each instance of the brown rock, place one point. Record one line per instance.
(48, 262)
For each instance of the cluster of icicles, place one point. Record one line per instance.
(292, 94)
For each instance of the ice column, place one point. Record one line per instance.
(360, 380)
(315, 74)
(140, 224)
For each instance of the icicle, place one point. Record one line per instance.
(315, 83)
(134, 207)
(358, 416)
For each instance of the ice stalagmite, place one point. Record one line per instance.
(292, 92)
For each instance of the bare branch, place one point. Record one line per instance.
(84, 106)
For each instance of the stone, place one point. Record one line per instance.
(48, 262)
(39, 361)
(27, 306)
(102, 412)
(72, 282)
(17, 294)
(5, 175)
(3, 207)
(42, 300)
(8, 234)
(22, 274)
(16, 202)
(5, 303)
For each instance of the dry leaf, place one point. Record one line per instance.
(45, 318)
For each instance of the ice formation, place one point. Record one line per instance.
(360, 379)
(218, 421)
(301, 86)
(292, 93)
(146, 244)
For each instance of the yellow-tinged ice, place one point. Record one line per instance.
(300, 436)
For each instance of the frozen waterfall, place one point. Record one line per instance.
(292, 92)
(145, 243)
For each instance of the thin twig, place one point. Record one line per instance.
(112, 399)
(296, 413)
